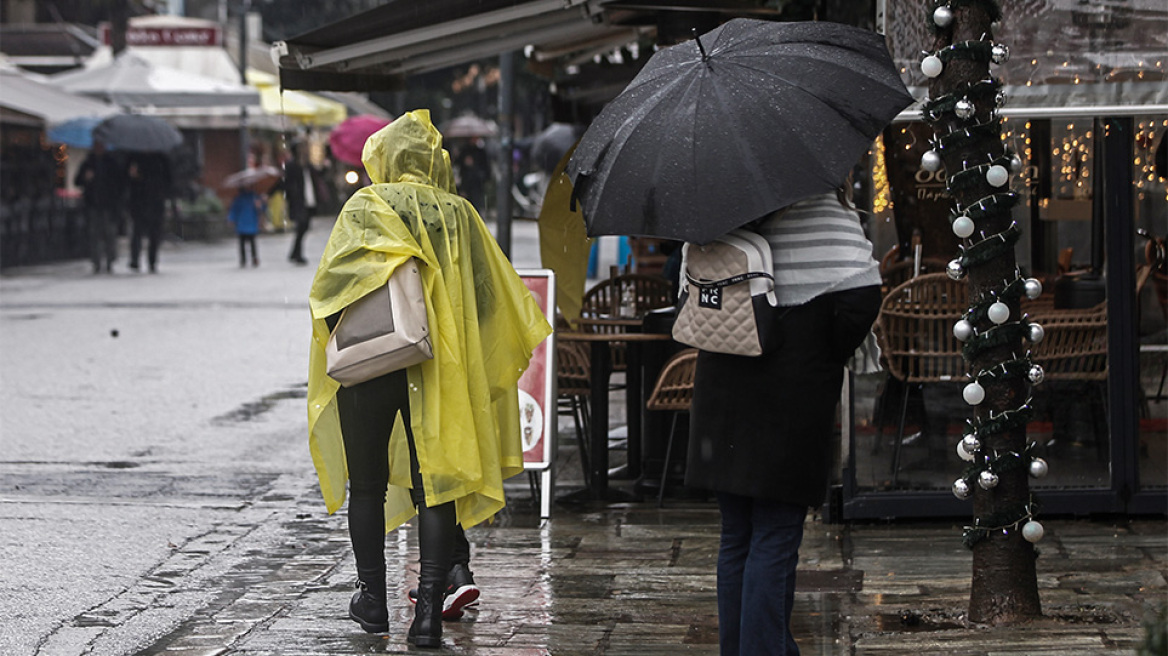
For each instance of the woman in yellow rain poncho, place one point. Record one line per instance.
(437, 438)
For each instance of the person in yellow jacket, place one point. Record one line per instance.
(438, 438)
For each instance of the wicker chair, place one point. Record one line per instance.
(603, 300)
(673, 392)
(1074, 349)
(915, 330)
(650, 292)
(574, 390)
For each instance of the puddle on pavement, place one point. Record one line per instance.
(907, 621)
(253, 409)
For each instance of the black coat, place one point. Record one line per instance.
(763, 426)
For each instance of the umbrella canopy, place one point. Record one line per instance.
(468, 127)
(133, 81)
(348, 139)
(137, 133)
(717, 132)
(261, 177)
(548, 147)
(76, 132)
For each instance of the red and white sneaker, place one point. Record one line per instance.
(461, 592)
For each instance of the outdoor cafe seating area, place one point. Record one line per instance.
(625, 384)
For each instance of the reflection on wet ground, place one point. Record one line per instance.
(636, 579)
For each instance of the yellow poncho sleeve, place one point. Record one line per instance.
(484, 323)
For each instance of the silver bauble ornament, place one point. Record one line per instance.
(1035, 374)
(963, 330)
(1032, 531)
(1032, 287)
(962, 453)
(999, 313)
(1000, 98)
(1035, 332)
(973, 393)
(997, 175)
(964, 108)
(932, 66)
(955, 269)
(1038, 468)
(963, 226)
(931, 161)
(1015, 163)
(999, 53)
(943, 16)
(987, 480)
(961, 489)
(970, 443)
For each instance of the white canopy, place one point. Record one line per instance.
(132, 81)
(46, 101)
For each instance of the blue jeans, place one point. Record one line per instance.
(756, 575)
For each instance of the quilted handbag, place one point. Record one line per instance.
(727, 300)
(383, 331)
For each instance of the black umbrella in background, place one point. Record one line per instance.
(549, 146)
(717, 132)
(137, 133)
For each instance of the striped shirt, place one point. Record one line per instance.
(818, 247)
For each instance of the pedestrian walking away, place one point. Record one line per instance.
(102, 176)
(247, 213)
(299, 189)
(436, 439)
(150, 183)
(762, 426)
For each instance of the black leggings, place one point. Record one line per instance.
(367, 413)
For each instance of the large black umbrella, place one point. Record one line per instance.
(137, 133)
(749, 118)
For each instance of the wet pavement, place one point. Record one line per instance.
(191, 525)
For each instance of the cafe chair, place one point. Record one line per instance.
(915, 333)
(603, 301)
(573, 380)
(648, 292)
(1074, 350)
(673, 392)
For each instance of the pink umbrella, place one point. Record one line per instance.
(348, 139)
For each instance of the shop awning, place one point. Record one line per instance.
(49, 103)
(302, 106)
(376, 49)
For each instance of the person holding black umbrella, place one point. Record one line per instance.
(102, 176)
(150, 184)
(774, 115)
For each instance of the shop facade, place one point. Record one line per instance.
(1086, 110)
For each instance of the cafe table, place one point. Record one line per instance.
(601, 334)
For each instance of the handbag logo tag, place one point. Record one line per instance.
(710, 297)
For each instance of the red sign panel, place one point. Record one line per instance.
(537, 403)
(167, 36)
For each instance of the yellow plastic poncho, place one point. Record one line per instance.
(483, 320)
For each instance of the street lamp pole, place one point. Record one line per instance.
(244, 139)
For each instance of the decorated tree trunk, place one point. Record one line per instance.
(962, 109)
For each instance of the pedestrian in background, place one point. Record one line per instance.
(101, 175)
(762, 427)
(438, 438)
(299, 189)
(150, 183)
(247, 213)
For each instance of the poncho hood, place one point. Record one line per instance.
(485, 324)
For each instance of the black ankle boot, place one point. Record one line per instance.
(366, 609)
(426, 631)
